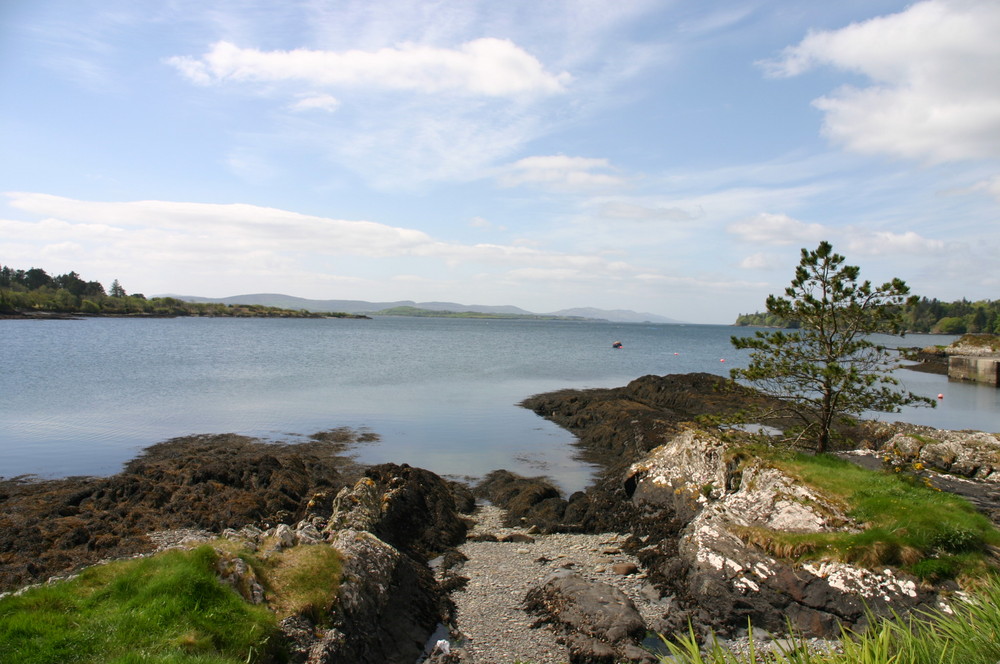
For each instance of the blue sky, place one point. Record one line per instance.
(663, 156)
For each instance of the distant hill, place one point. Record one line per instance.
(615, 315)
(364, 307)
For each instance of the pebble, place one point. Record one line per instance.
(491, 626)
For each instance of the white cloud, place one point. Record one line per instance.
(935, 81)
(884, 242)
(485, 224)
(405, 146)
(174, 232)
(761, 261)
(777, 229)
(561, 173)
(316, 102)
(487, 66)
(782, 230)
(990, 186)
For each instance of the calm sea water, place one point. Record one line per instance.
(83, 397)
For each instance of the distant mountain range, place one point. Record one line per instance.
(363, 307)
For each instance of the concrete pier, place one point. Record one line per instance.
(980, 369)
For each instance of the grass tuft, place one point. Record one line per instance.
(168, 608)
(302, 580)
(931, 534)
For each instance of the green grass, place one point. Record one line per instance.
(302, 580)
(167, 609)
(907, 524)
(969, 635)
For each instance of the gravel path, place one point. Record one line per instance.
(493, 626)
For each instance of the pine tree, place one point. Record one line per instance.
(828, 370)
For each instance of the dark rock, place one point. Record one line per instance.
(465, 500)
(579, 606)
(453, 582)
(638, 655)
(527, 500)
(588, 650)
(452, 559)
(388, 604)
(577, 509)
(298, 634)
(410, 508)
(618, 427)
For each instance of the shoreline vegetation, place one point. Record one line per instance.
(34, 294)
(925, 316)
(157, 308)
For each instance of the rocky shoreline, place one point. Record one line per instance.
(509, 569)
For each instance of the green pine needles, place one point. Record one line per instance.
(829, 370)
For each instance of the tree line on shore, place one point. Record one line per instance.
(35, 290)
(921, 316)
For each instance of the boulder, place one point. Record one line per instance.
(971, 454)
(410, 508)
(234, 572)
(526, 500)
(725, 579)
(684, 473)
(387, 607)
(595, 619)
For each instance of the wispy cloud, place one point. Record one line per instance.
(879, 243)
(561, 172)
(315, 102)
(488, 66)
(140, 226)
(761, 261)
(633, 211)
(777, 229)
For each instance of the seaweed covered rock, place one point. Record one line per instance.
(527, 500)
(618, 426)
(211, 482)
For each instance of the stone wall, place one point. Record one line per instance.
(978, 369)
